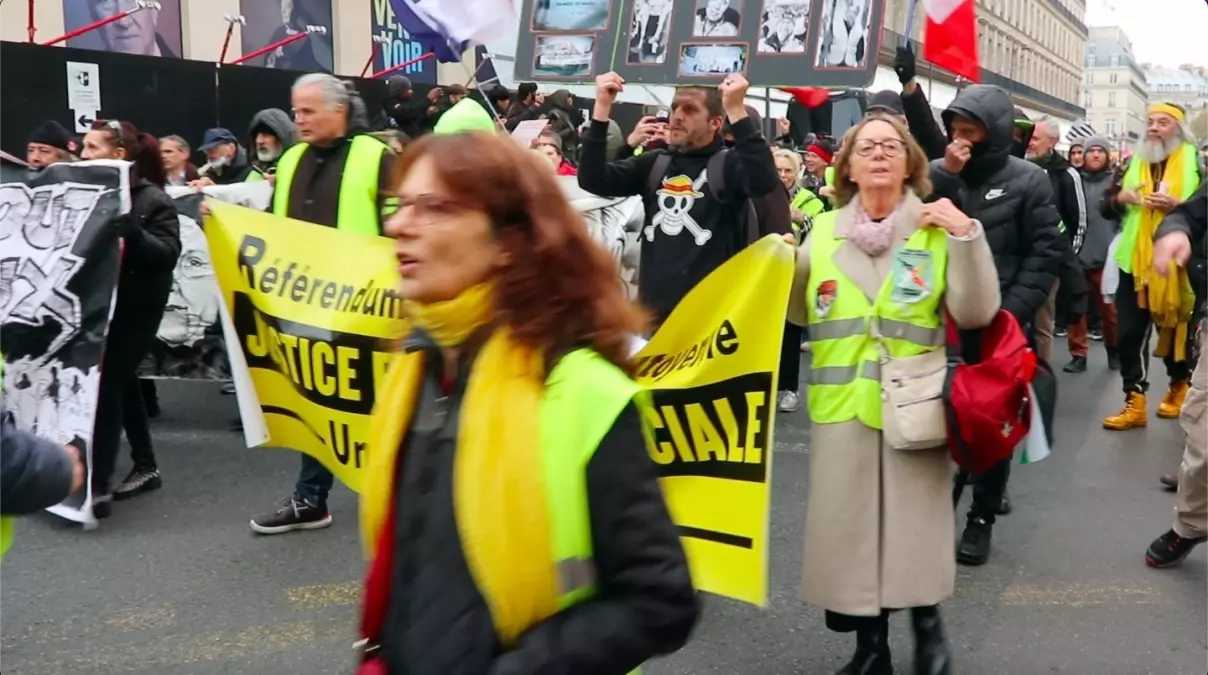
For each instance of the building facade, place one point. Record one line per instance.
(1032, 48)
(1186, 85)
(1114, 90)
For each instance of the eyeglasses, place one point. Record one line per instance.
(892, 147)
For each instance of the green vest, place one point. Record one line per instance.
(358, 206)
(255, 175)
(845, 374)
(1132, 213)
(583, 396)
(828, 176)
(808, 203)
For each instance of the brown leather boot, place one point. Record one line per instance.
(1172, 402)
(1134, 415)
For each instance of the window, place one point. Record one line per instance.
(1115, 61)
(1113, 78)
(1111, 99)
(1087, 100)
(1110, 127)
(1090, 78)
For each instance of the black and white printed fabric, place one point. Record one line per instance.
(59, 258)
(615, 223)
(189, 342)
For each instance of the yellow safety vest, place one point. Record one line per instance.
(847, 332)
(809, 204)
(357, 210)
(583, 396)
(1132, 214)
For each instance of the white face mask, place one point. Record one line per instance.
(219, 162)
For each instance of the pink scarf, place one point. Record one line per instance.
(870, 236)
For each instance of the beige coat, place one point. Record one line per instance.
(879, 527)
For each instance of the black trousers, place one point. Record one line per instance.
(790, 358)
(846, 623)
(120, 401)
(1132, 341)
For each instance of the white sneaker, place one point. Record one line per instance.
(788, 401)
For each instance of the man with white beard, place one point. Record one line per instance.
(1163, 172)
(269, 135)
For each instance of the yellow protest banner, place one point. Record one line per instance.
(712, 370)
(315, 310)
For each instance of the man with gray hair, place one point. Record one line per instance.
(1163, 172)
(1067, 301)
(337, 175)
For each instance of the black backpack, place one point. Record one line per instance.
(715, 178)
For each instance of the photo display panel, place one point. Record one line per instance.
(822, 43)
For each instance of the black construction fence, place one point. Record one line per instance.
(177, 96)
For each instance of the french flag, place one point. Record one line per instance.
(950, 37)
(449, 27)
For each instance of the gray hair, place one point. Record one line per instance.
(184, 145)
(333, 88)
(1049, 127)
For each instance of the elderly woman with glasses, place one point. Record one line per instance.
(876, 281)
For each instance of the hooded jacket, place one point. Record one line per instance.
(276, 122)
(564, 120)
(235, 172)
(1012, 198)
(1071, 198)
(1100, 230)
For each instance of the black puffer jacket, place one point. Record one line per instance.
(151, 234)
(1011, 197)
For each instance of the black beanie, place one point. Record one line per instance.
(53, 134)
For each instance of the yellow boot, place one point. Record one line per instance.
(1172, 402)
(1134, 415)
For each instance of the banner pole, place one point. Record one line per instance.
(31, 26)
(404, 64)
(909, 22)
(231, 20)
(99, 24)
(280, 43)
(378, 42)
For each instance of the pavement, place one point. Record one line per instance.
(175, 582)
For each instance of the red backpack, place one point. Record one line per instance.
(986, 394)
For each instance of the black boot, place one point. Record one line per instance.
(1076, 365)
(872, 650)
(974, 547)
(931, 656)
(1113, 359)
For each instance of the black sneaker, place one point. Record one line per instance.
(974, 548)
(1076, 365)
(228, 389)
(102, 505)
(1095, 334)
(1004, 507)
(1113, 359)
(1169, 550)
(293, 514)
(138, 481)
(1061, 332)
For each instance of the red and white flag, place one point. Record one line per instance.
(950, 38)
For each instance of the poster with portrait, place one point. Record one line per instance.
(59, 258)
(681, 42)
(150, 32)
(784, 26)
(398, 47)
(844, 29)
(270, 21)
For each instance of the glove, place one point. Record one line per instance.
(903, 64)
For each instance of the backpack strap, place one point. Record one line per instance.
(657, 172)
(715, 174)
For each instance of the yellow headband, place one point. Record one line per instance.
(1166, 109)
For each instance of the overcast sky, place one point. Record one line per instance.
(1164, 32)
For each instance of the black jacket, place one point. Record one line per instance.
(672, 264)
(235, 172)
(151, 233)
(923, 127)
(437, 622)
(1012, 198)
(1069, 195)
(1191, 217)
(34, 473)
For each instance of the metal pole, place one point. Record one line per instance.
(909, 22)
(231, 20)
(404, 64)
(378, 43)
(280, 43)
(103, 22)
(31, 27)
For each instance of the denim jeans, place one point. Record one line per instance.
(314, 481)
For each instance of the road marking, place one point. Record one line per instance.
(1081, 595)
(76, 628)
(325, 595)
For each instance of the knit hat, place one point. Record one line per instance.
(1097, 142)
(53, 134)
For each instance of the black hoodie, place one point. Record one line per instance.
(1012, 198)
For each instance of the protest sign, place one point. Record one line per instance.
(398, 47)
(189, 343)
(59, 238)
(822, 43)
(316, 333)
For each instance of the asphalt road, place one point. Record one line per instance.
(176, 583)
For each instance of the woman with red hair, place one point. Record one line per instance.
(511, 511)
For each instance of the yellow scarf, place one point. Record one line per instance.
(496, 484)
(1142, 259)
